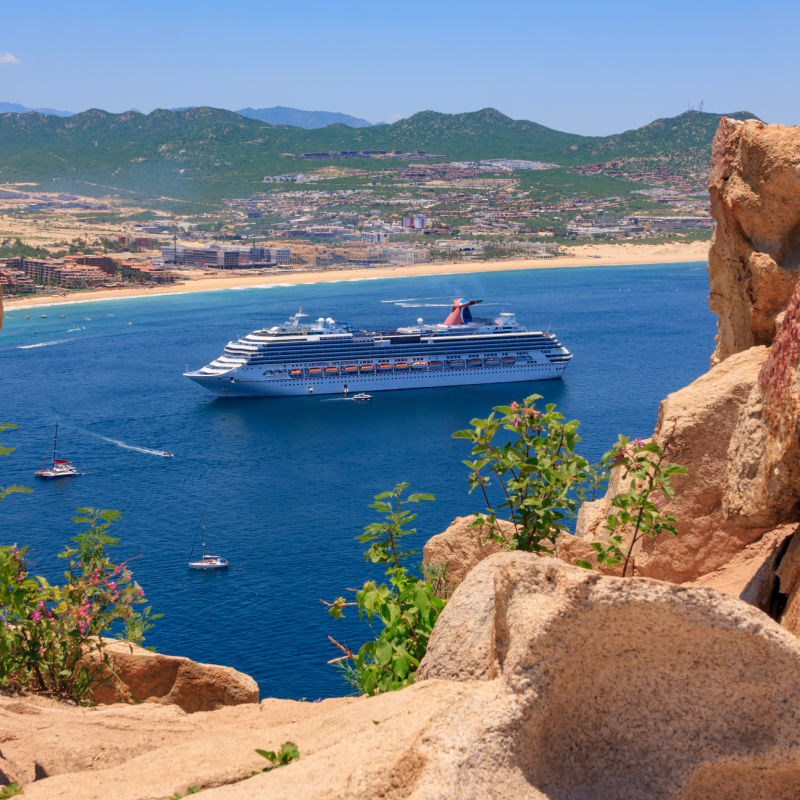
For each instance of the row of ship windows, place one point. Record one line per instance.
(380, 369)
(294, 379)
(411, 357)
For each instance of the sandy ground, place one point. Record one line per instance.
(590, 255)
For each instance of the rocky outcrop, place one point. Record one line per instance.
(763, 467)
(624, 688)
(695, 425)
(541, 681)
(462, 546)
(754, 261)
(139, 675)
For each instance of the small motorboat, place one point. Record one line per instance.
(59, 467)
(362, 396)
(165, 453)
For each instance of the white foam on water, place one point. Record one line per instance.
(126, 446)
(40, 344)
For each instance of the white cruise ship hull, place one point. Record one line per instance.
(325, 357)
(251, 382)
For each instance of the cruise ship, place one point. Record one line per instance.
(327, 357)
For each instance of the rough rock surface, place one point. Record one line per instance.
(695, 425)
(461, 546)
(750, 575)
(142, 675)
(626, 688)
(788, 575)
(754, 261)
(541, 681)
(763, 468)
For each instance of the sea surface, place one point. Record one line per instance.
(284, 484)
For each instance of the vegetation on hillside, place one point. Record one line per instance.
(526, 467)
(204, 154)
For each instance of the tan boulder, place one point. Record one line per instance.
(754, 260)
(788, 575)
(626, 687)
(541, 681)
(763, 470)
(461, 546)
(695, 425)
(750, 574)
(140, 675)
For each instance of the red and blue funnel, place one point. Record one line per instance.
(460, 313)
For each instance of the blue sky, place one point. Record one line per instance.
(583, 67)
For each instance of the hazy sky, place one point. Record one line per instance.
(583, 67)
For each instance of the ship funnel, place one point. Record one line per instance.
(459, 312)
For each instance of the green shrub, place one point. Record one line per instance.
(407, 606)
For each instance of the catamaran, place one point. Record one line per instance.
(59, 467)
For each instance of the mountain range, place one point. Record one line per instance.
(275, 115)
(16, 108)
(205, 154)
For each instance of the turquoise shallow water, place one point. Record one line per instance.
(284, 484)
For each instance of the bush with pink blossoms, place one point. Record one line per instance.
(51, 635)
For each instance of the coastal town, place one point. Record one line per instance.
(335, 218)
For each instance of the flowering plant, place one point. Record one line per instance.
(637, 511)
(541, 478)
(51, 635)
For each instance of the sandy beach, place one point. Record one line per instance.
(589, 255)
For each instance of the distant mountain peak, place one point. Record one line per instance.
(16, 108)
(298, 118)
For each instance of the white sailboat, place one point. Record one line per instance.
(59, 468)
(207, 561)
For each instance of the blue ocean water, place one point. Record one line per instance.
(284, 484)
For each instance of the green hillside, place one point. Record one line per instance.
(202, 155)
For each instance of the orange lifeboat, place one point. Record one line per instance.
(367, 367)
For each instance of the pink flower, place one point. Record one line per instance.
(36, 616)
(514, 407)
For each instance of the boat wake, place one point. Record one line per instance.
(40, 344)
(125, 446)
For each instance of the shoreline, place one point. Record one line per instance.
(601, 255)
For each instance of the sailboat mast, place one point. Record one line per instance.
(55, 440)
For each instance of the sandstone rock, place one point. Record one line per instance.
(625, 687)
(763, 471)
(461, 547)
(788, 575)
(694, 427)
(541, 681)
(750, 574)
(141, 675)
(754, 260)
